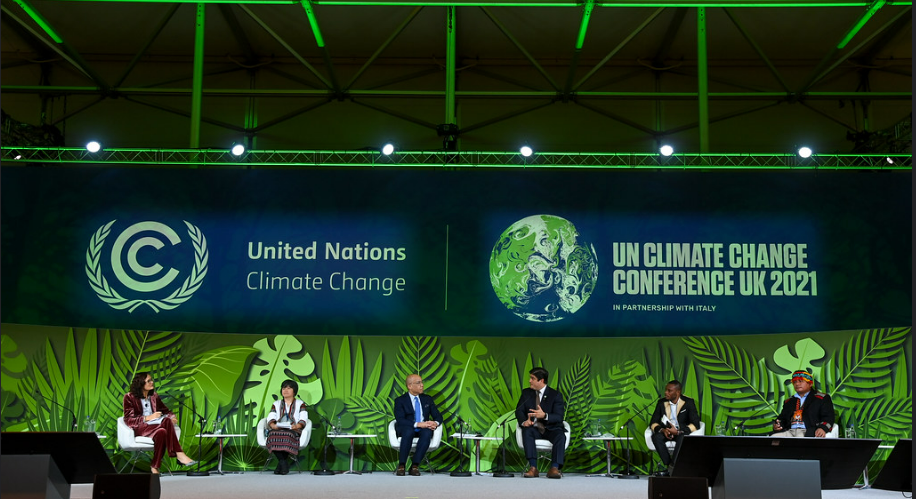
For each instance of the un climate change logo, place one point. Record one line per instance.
(541, 271)
(111, 296)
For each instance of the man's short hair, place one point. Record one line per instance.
(677, 385)
(540, 373)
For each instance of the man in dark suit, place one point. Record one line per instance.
(808, 413)
(674, 416)
(540, 412)
(416, 417)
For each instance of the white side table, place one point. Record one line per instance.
(220, 437)
(607, 440)
(353, 437)
(477, 440)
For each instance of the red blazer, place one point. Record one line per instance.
(133, 411)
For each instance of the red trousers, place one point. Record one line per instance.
(164, 439)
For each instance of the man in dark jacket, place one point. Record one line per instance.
(674, 416)
(808, 413)
(540, 412)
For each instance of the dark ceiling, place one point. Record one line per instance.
(777, 76)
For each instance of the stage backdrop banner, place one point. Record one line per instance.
(492, 253)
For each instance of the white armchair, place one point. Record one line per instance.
(135, 445)
(542, 445)
(304, 437)
(395, 441)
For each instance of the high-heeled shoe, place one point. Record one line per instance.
(189, 463)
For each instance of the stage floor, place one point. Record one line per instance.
(381, 485)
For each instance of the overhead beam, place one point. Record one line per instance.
(149, 41)
(384, 45)
(521, 48)
(470, 94)
(319, 40)
(869, 12)
(197, 75)
(619, 46)
(287, 46)
(580, 42)
(702, 80)
(451, 47)
(568, 3)
(766, 60)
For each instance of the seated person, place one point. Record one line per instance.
(675, 416)
(808, 413)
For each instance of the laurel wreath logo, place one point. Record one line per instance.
(114, 299)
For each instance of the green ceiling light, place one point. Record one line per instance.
(313, 21)
(38, 18)
(586, 14)
(872, 9)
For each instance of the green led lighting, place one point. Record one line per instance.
(482, 3)
(586, 14)
(40, 20)
(313, 21)
(872, 9)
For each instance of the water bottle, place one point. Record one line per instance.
(86, 425)
(217, 426)
(598, 427)
(339, 426)
(850, 431)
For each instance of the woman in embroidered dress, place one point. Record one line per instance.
(285, 422)
(149, 417)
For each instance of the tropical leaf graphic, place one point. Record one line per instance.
(807, 351)
(216, 375)
(743, 387)
(276, 361)
(863, 367)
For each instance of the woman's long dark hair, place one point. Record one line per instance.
(136, 386)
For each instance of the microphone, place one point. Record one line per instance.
(641, 411)
(740, 427)
(59, 405)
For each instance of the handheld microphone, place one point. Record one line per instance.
(59, 405)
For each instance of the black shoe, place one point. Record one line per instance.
(400, 470)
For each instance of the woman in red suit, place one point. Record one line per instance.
(149, 417)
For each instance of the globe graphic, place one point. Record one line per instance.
(541, 270)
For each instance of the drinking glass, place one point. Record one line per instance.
(720, 429)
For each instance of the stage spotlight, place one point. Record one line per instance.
(804, 152)
(387, 149)
(666, 150)
(526, 151)
(889, 160)
(93, 146)
(237, 150)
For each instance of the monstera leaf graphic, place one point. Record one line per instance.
(269, 370)
(743, 385)
(807, 351)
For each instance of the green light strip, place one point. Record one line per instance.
(583, 27)
(433, 3)
(313, 21)
(40, 20)
(861, 23)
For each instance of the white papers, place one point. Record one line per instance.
(155, 421)
(284, 424)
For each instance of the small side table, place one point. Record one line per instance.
(607, 440)
(353, 437)
(220, 437)
(477, 440)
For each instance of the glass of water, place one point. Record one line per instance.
(721, 429)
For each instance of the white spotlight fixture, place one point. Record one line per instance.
(526, 151)
(387, 149)
(93, 146)
(666, 150)
(804, 152)
(889, 160)
(238, 150)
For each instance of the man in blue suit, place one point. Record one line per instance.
(416, 417)
(540, 412)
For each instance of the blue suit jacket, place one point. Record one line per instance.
(405, 416)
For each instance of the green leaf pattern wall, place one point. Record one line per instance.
(606, 381)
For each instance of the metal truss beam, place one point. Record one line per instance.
(567, 3)
(192, 158)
